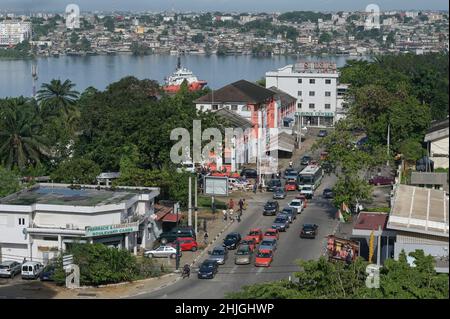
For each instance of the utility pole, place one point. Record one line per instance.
(388, 142)
(379, 247)
(190, 202)
(195, 204)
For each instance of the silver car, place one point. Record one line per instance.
(269, 244)
(10, 268)
(243, 255)
(281, 222)
(279, 193)
(218, 254)
(162, 251)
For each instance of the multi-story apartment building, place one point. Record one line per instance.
(315, 84)
(14, 32)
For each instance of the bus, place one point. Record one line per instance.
(310, 177)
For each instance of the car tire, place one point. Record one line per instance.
(150, 255)
(12, 276)
(194, 249)
(173, 256)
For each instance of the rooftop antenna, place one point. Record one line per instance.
(34, 75)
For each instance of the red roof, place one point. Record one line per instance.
(165, 214)
(171, 218)
(371, 221)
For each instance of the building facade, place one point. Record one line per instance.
(14, 32)
(317, 89)
(40, 222)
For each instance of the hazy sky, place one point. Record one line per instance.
(223, 5)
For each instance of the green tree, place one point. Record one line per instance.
(85, 44)
(58, 96)
(109, 24)
(77, 171)
(325, 37)
(21, 142)
(74, 38)
(9, 182)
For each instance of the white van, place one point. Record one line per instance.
(31, 269)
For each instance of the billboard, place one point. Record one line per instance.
(106, 230)
(215, 185)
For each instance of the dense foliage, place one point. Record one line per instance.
(101, 265)
(322, 279)
(9, 182)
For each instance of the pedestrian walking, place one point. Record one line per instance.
(241, 205)
(205, 238)
(255, 187)
(224, 214)
(231, 215)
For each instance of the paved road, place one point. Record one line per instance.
(232, 277)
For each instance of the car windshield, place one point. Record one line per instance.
(264, 254)
(267, 243)
(308, 227)
(217, 252)
(306, 188)
(286, 211)
(4, 267)
(295, 203)
(270, 204)
(207, 266)
(244, 251)
(280, 220)
(254, 233)
(270, 233)
(231, 237)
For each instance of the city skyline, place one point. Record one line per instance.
(221, 5)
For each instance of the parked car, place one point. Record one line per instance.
(328, 193)
(322, 133)
(271, 208)
(269, 244)
(232, 240)
(264, 258)
(309, 231)
(243, 255)
(281, 223)
(290, 186)
(279, 193)
(10, 268)
(31, 270)
(305, 160)
(249, 173)
(256, 234)
(381, 180)
(273, 184)
(271, 233)
(186, 244)
(307, 191)
(249, 241)
(208, 269)
(327, 167)
(173, 234)
(48, 273)
(162, 251)
(289, 211)
(287, 171)
(296, 204)
(219, 254)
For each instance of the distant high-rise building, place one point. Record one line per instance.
(14, 32)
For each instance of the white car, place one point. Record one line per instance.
(162, 251)
(297, 204)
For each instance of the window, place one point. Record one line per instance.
(234, 107)
(312, 93)
(299, 93)
(299, 80)
(215, 107)
(311, 105)
(21, 221)
(327, 93)
(327, 81)
(328, 106)
(299, 105)
(312, 81)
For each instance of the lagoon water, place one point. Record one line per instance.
(99, 71)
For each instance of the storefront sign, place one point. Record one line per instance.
(112, 229)
(315, 114)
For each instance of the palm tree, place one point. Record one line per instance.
(20, 142)
(58, 96)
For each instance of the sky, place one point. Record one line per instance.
(222, 5)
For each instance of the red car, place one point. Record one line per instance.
(263, 258)
(186, 243)
(272, 233)
(250, 241)
(290, 186)
(256, 234)
(381, 180)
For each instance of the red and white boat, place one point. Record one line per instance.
(173, 83)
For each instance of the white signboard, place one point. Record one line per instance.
(106, 230)
(216, 185)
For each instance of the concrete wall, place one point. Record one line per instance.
(80, 221)
(10, 230)
(16, 252)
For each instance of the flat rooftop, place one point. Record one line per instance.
(63, 195)
(420, 210)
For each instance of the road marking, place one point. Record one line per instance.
(260, 270)
(234, 269)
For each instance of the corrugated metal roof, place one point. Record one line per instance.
(416, 238)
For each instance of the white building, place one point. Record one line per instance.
(437, 138)
(40, 222)
(14, 32)
(315, 85)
